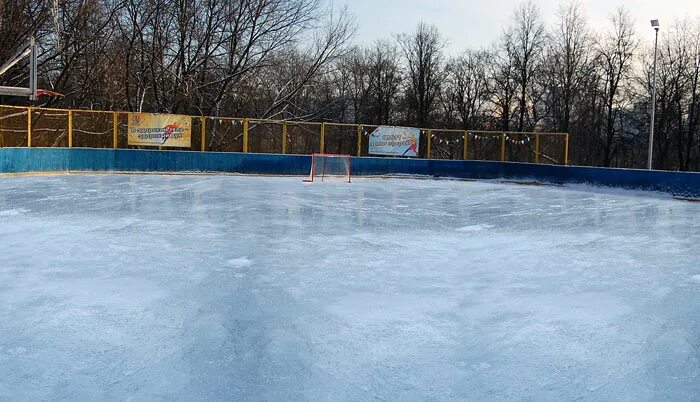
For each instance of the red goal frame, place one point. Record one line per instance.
(313, 173)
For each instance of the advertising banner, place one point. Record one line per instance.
(394, 141)
(160, 130)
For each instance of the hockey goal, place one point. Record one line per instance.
(330, 167)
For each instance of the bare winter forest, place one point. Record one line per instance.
(297, 59)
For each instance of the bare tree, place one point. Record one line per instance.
(616, 50)
(186, 55)
(423, 52)
(569, 62)
(527, 36)
(502, 78)
(329, 44)
(385, 79)
(354, 72)
(678, 73)
(467, 87)
(691, 142)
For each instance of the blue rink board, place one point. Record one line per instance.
(22, 160)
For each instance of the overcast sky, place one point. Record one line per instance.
(477, 23)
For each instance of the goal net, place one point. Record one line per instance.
(330, 167)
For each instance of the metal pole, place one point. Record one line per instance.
(323, 137)
(245, 135)
(359, 140)
(2, 139)
(653, 105)
(115, 129)
(465, 155)
(33, 78)
(29, 127)
(503, 147)
(430, 140)
(284, 138)
(70, 129)
(203, 136)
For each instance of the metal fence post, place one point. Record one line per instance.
(115, 128)
(427, 151)
(466, 146)
(70, 129)
(245, 135)
(323, 137)
(203, 145)
(284, 137)
(359, 140)
(29, 127)
(503, 147)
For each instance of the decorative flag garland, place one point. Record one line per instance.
(233, 122)
(482, 137)
(519, 142)
(443, 141)
(474, 136)
(510, 139)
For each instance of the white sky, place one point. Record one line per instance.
(477, 23)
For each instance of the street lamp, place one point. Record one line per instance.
(656, 26)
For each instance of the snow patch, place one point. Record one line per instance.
(240, 262)
(475, 228)
(18, 351)
(13, 212)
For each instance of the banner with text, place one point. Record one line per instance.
(160, 130)
(394, 141)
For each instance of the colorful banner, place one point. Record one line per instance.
(160, 130)
(394, 141)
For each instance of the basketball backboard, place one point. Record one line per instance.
(29, 49)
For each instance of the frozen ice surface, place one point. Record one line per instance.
(252, 288)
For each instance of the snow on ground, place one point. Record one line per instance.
(252, 288)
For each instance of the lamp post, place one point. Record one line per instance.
(656, 26)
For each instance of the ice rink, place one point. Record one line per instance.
(131, 287)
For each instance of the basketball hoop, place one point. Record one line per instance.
(46, 92)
